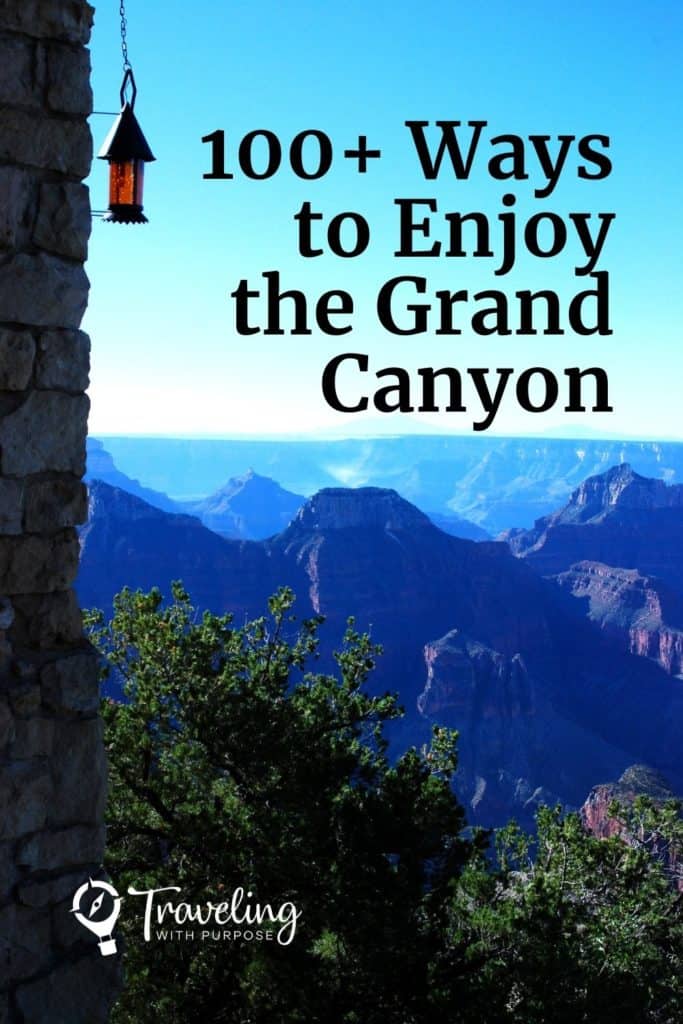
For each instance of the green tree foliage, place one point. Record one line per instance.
(574, 928)
(233, 764)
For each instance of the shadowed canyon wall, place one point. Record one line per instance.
(52, 768)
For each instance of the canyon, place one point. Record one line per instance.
(546, 699)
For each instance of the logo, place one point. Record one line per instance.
(239, 917)
(102, 912)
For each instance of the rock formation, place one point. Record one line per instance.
(250, 507)
(458, 527)
(637, 781)
(127, 542)
(545, 701)
(617, 547)
(645, 614)
(100, 466)
(496, 482)
(619, 518)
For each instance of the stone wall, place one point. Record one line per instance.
(52, 772)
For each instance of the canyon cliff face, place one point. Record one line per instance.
(502, 718)
(642, 612)
(529, 733)
(546, 703)
(636, 781)
(127, 542)
(369, 553)
(618, 518)
(250, 507)
(617, 547)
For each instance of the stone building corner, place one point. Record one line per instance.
(52, 766)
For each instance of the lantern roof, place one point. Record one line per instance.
(126, 141)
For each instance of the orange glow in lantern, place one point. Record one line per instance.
(126, 183)
(127, 151)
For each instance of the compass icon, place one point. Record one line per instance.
(100, 924)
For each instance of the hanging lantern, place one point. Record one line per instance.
(127, 151)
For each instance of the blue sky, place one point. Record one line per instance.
(166, 358)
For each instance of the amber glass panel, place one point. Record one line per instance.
(139, 181)
(125, 183)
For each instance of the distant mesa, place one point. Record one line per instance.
(250, 507)
(617, 489)
(495, 482)
(100, 466)
(343, 508)
(618, 518)
(458, 527)
(617, 547)
(130, 543)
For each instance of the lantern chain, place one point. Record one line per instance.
(124, 39)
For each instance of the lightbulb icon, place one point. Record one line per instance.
(102, 929)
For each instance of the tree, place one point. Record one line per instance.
(233, 765)
(573, 928)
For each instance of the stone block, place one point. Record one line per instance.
(66, 848)
(53, 505)
(46, 434)
(8, 871)
(42, 291)
(46, 621)
(54, 890)
(79, 992)
(17, 351)
(24, 942)
(15, 197)
(52, 766)
(52, 144)
(7, 730)
(25, 793)
(63, 361)
(63, 222)
(24, 697)
(71, 685)
(20, 81)
(11, 501)
(79, 773)
(68, 80)
(38, 565)
(33, 737)
(48, 19)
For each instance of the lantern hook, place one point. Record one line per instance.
(129, 80)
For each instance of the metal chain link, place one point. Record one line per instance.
(124, 40)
